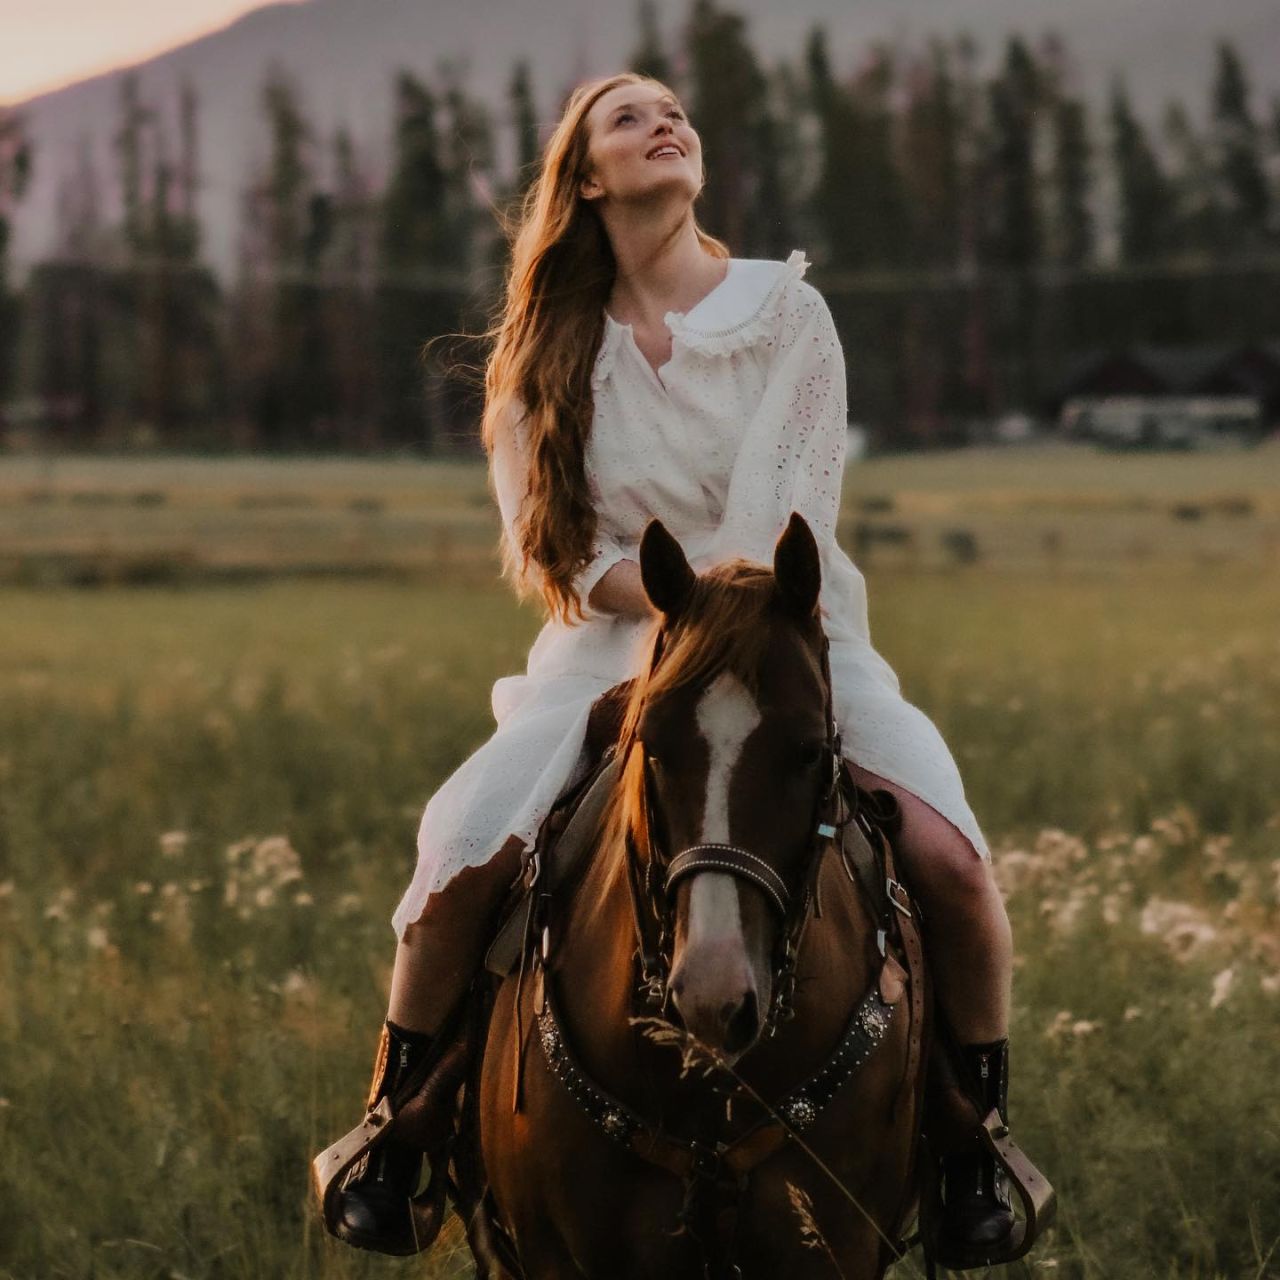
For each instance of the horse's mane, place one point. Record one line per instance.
(723, 627)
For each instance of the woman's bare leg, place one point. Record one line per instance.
(967, 931)
(442, 951)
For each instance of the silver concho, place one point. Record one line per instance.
(615, 1124)
(799, 1113)
(874, 1020)
(550, 1039)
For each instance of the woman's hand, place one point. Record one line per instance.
(622, 592)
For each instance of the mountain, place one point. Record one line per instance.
(344, 53)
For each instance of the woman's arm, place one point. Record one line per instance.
(621, 591)
(510, 471)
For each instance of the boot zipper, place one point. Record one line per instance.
(382, 1161)
(984, 1071)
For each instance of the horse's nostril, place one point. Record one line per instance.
(743, 1023)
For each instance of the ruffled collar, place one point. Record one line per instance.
(738, 311)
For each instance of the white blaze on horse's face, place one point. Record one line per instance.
(713, 975)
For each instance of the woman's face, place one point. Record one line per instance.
(640, 144)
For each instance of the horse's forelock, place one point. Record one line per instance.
(724, 626)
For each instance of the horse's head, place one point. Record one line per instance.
(739, 754)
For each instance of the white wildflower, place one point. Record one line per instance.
(173, 844)
(1183, 928)
(61, 904)
(1222, 984)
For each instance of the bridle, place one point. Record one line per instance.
(653, 883)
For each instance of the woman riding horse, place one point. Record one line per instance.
(733, 856)
(640, 371)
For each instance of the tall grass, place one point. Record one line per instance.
(207, 807)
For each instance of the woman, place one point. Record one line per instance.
(639, 370)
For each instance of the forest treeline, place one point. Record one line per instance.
(973, 230)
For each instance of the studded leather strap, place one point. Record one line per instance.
(732, 861)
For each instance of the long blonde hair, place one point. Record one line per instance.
(547, 337)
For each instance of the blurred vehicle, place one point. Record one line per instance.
(858, 438)
(1015, 428)
(1164, 422)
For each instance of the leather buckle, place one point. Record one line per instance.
(533, 869)
(891, 890)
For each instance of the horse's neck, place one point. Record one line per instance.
(593, 961)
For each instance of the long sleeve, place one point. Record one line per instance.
(793, 455)
(510, 468)
(793, 448)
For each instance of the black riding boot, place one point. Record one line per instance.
(977, 1215)
(374, 1205)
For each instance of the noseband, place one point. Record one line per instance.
(653, 903)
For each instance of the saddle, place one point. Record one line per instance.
(566, 833)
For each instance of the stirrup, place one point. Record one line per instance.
(330, 1169)
(329, 1172)
(1038, 1199)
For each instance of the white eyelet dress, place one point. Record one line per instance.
(745, 423)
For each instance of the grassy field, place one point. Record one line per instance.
(209, 793)
(1041, 509)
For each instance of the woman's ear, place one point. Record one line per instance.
(797, 567)
(664, 570)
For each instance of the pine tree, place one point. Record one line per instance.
(1013, 231)
(1144, 192)
(1236, 156)
(417, 296)
(467, 151)
(16, 156)
(1068, 220)
(650, 57)
(414, 206)
(931, 159)
(1195, 220)
(833, 201)
(280, 330)
(129, 142)
(1072, 219)
(524, 123)
(729, 108)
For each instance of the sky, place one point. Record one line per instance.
(45, 44)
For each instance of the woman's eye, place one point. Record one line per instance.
(627, 115)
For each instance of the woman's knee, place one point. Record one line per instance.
(941, 863)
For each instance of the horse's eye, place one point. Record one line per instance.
(811, 754)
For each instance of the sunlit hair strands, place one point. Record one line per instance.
(548, 334)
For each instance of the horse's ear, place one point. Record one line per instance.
(797, 567)
(665, 572)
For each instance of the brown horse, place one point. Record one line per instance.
(725, 893)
